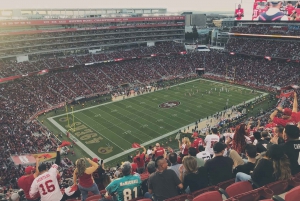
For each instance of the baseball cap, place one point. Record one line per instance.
(287, 111)
(218, 147)
(29, 169)
(96, 160)
(195, 134)
(14, 196)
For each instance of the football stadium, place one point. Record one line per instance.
(144, 103)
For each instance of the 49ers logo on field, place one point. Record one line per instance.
(169, 104)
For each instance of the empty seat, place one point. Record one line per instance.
(209, 196)
(293, 195)
(180, 198)
(253, 195)
(238, 188)
(278, 187)
(204, 190)
(225, 184)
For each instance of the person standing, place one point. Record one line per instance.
(97, 175)
(210, 140)
(25, 181)
(86, 181)
(164, 183)
(139, 159)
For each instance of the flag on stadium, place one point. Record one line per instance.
(135, 145)
(65, 143)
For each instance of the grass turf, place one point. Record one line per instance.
(110, 129)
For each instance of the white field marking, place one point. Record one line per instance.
(121, 99)
(78, 142)
(162, 136)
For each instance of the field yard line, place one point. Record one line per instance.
(122, 100)
(107, 128)
(129, 124)
(161, 137)
(79, 143)
(152, 92)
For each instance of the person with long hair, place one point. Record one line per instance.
(240, 139)
(184, 146)
(193, 178)
(86, 181)
(273, 167)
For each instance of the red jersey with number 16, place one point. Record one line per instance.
(47, 185)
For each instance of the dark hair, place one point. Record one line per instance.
(280, 129)
(251, 150)
(42, 167)
(292, 131)
(214, 130)
(265, 134)
(238, 141)
(192, 151)
(173, 158)
(157, 160)
(201, 148)
(257, 135)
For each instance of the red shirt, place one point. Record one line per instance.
(140, 160)
(159, 152)
(197, 142)
(284, 122)
(289, 9)
(86, 180)
(239, 13)
(25, 182)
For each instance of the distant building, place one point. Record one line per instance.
(198, 20)
(217, 23)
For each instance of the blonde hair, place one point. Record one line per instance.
(282, 168)
(187, 142)
(190, 164)
(80, 165)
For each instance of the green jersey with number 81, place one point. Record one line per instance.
(126, 188)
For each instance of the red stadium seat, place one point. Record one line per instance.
(294, 181)
(204, 190)
(180, 198)
(225, 184)
(278, 187)
(93, 197)
(239, 188)
(293, 195)
(253, 195)
(212, 195)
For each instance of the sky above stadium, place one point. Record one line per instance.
(171, 5)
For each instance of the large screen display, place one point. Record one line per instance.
(267, 11)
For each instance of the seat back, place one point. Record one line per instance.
(238, 188)
(225, 184)
(204, 190)
(293, 195)
(253, 195)
(278, 187)
(211, 195)
(182, 197)
(294, 181)
(93, 197)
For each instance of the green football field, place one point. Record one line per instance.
(109, 130)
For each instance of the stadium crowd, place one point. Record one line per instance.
(22, 98)
(267, 30)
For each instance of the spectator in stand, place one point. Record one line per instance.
(278, 135)
(273, 167)
(193, 177)
(240, 139)
(126, 187)
(197, 141)
(98, 174)
(219, 167)
(25, 181)
(184, 146)
(210, 140)
(289, 116)
(248, 167)
(292, 147)
(46, 184)
(158, 151)
(193, 153)
(174, 165)
(261, 144)
(164, 183)
(139, 159)
(86, 182)
(151, 169)
(274, 13)
(203, 154)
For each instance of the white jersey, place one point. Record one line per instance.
(204, 155)
(210, 140)
(47, 185)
